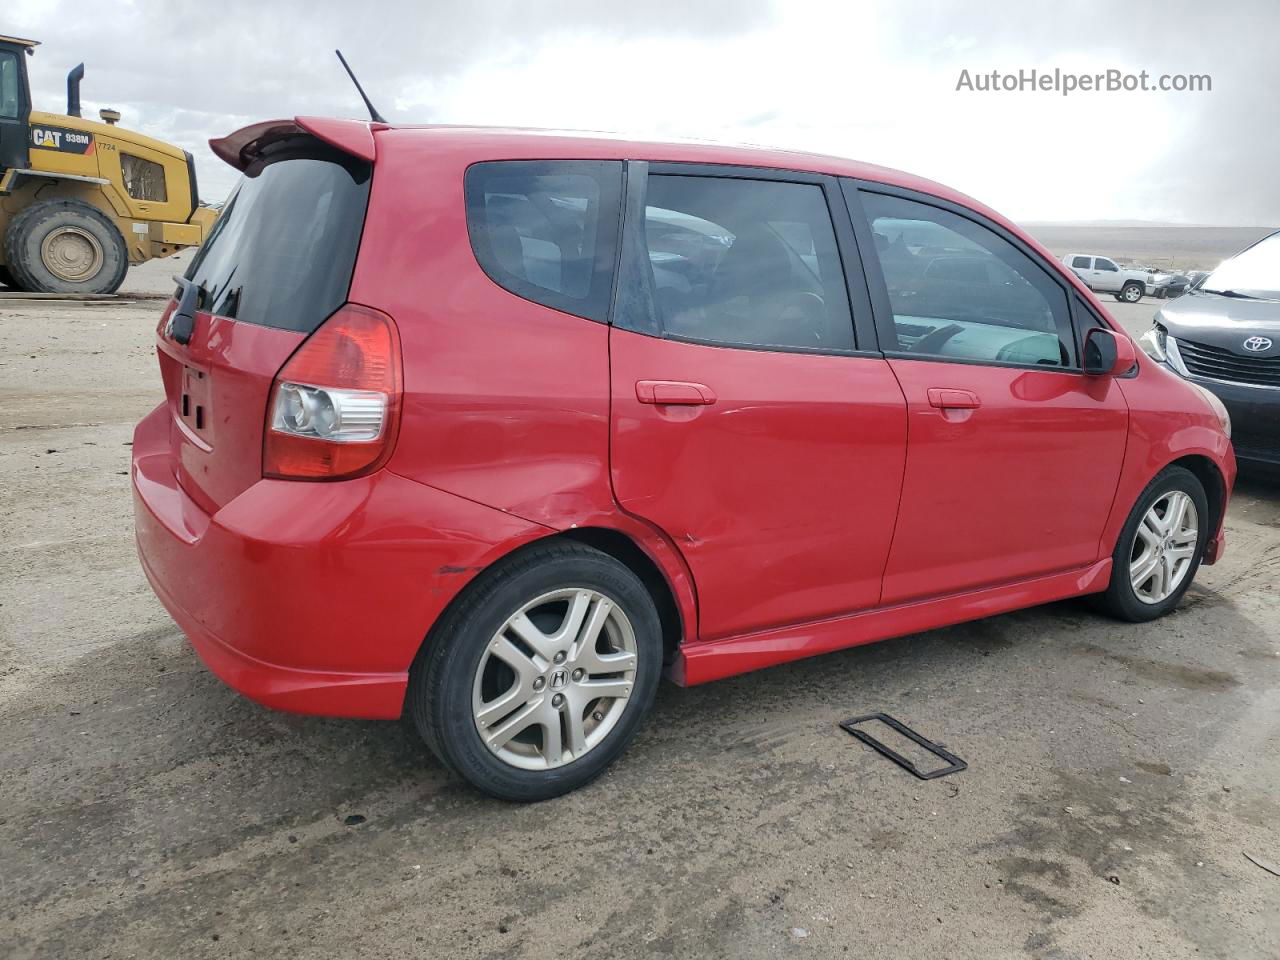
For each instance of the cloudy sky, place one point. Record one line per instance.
(871, 80)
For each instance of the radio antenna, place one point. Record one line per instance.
(373, 111)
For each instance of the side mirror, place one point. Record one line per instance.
(1107, 353)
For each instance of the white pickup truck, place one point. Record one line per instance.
(1102, 275)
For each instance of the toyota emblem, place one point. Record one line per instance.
(1257, 344)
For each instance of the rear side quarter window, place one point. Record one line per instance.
(547, 230)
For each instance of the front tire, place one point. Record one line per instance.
(1160, 548)
(539, 677)
(65, 246)
(1131, 292)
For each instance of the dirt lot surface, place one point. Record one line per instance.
(1117, 774)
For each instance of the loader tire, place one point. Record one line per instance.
(65, 246)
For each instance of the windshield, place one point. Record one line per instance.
(1251, 273)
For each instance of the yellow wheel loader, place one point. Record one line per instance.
(80, 200)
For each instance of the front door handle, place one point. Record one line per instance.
(674, 392)
(949, 398)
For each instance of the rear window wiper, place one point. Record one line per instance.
(182, 322)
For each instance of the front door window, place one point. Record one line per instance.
(959, 291)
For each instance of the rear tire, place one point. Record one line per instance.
(538, 681)
(65, 246)
(1152, 546)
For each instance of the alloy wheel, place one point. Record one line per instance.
(1164, 547)
(555, 679)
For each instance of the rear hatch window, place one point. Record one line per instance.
(282, 252)
(277, 263)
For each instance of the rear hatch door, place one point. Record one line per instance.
(277, 263)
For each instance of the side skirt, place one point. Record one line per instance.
(701, 662)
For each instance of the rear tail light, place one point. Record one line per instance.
(335, 404)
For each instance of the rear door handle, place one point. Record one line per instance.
(949, 398)
(674, 392)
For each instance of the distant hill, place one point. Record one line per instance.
(1181, 246)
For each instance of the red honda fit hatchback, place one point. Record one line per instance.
(494, 427)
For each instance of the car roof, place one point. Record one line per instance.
(557, 144)
(474, 144)
(479, 143)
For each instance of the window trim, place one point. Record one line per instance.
(634, 281)
(608, 175)
(853, 190)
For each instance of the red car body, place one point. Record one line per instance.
(798, 513)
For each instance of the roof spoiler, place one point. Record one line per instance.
(350, 136)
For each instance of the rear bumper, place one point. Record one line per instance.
(310, 597)
(279, 686)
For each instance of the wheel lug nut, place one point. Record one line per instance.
(597, 716)
(559, 657)
(557, 700)
(539, 683)
(578, 675)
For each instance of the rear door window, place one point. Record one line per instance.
(548, 230)
(744, 262)
(1080, 263)
(282, 252)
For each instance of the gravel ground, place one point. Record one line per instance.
(1117, 774)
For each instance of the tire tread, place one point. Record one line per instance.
(445, 641)
(1118, 600)
(29, 220)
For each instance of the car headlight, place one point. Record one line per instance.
(1158, 345)
(1216, 405)
(1153, 342)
